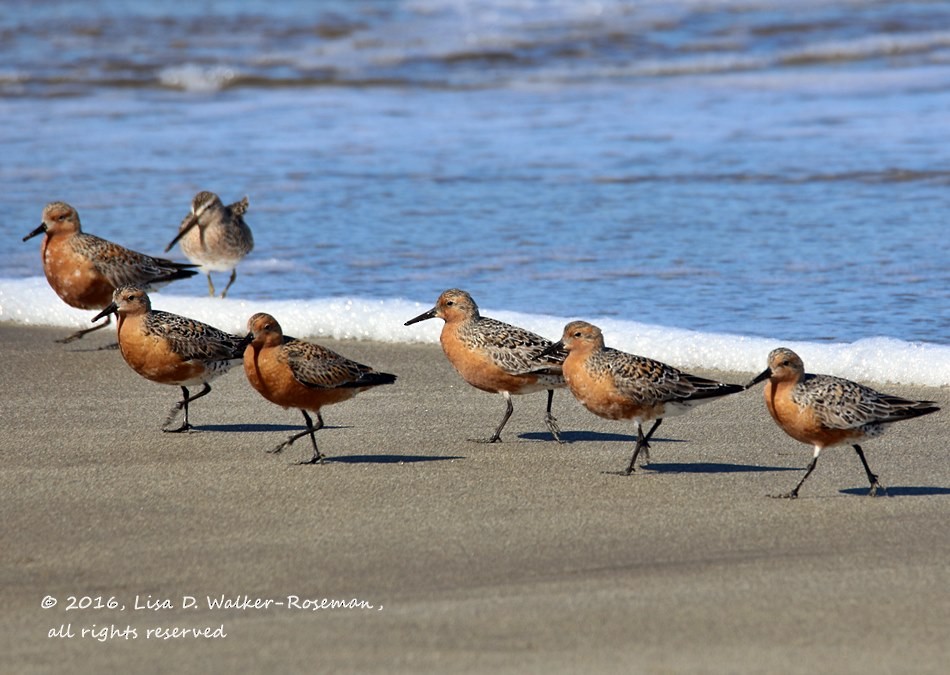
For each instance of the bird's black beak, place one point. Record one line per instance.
(111, 309)
(190, 221)
(421, 317)
(240, 348)
(40, 230)
(764, 375)
(553, 348)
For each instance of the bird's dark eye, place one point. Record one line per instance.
(577, 334)
(449, 303)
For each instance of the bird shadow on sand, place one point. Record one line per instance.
(596, 436)
(711, 467)
(259, 428)
(388, 459)
(112, 347)
(901, 491)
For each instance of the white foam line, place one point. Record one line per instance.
(877, 359)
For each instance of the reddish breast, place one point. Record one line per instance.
(74, 277)
(801, 422)
(151, 356)
(598, 392)
(275, 381)
(476, 366)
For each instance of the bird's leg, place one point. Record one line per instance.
(183, 405)
(173, 413)
(230, 281)
(210, 285)
(641, 441)
(80, 333)
(551, 420)
(872, 479)
(649, 435)
(645, 449)
(496, 437)
(309, 431)
(794, 493)
(317, 457)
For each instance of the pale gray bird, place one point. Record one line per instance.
(215, 236)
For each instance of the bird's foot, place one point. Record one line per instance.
(553, 427)
(172, 414)
(316, 459)
(70, 338)
(181, 429)
(280, 448)
(625, 472)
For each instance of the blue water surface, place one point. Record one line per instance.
(721, 168)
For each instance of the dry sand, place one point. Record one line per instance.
(524, 556)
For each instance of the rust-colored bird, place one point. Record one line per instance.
(85, 270)
(296, 374)
(824, 411)
(617, 385)
(171, 349)
(494, 356)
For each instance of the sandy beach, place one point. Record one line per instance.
(524, 556)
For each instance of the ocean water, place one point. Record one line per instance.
(706, 180)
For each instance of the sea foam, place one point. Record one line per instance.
(195, 78)
(879, 359)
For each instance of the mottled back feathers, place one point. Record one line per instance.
(316, 366)
(646, 381)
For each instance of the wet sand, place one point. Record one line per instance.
(524, 556)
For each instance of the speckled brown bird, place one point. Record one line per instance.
(617, 385)
(824, 411)
(171, 349)
(297, 374)
(215, 236)
(494, 356)
(85, 270)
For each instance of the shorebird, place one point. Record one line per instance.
(171, 349)
(494, 356)
(617, 385)
(296, 374)
(84, 270)
(824, 410)
(215, 236)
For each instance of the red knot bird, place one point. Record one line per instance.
(171, 349)
(494, 356)
(616, 385)
(824, 410)
(215, 236)
(296, 374)
(84, 270)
